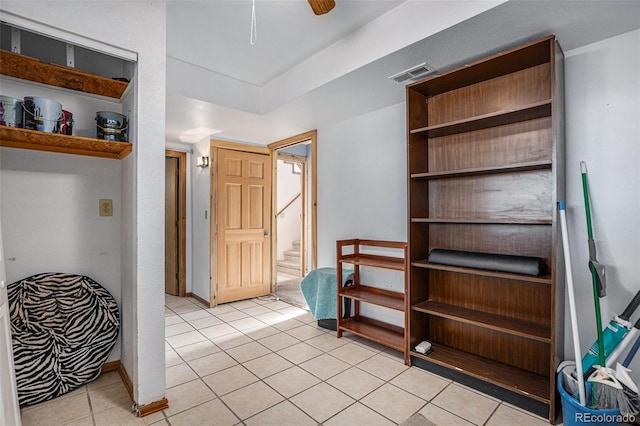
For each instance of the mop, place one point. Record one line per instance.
(628, 339)
(613, 334)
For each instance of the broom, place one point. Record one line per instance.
(607, 391)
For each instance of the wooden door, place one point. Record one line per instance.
(171, 281)
(243, 225)
(9, 410)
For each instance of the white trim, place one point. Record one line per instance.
(65, 36)
(174, 146)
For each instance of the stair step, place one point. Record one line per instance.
(288, 264)
(291, 272)
(292, 253)
(288, 267)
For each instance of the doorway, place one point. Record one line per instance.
(175, 223)
(291, 194)
(294, 220)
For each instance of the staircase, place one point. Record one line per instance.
(290, 265)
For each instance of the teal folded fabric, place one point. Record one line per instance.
(320, 292)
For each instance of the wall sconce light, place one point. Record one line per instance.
(202, 161)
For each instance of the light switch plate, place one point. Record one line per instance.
(106, 207)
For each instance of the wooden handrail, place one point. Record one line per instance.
(295, 197)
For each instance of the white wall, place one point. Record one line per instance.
(362, 188)
(49, 209)
(140, 29)
(201, 219)
(603, 128)
(362, 191)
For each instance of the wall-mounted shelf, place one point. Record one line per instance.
(52, 142)
(31, 69)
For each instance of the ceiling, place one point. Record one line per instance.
(305, 71)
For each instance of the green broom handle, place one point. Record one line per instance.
(594, 274)
(587, 209)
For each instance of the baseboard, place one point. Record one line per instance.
(198, 298)
(143, 410)
(126, 380)
(110, 366)
(153, 407)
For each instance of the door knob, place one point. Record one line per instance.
(267, 234)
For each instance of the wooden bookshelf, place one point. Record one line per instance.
(485, 162)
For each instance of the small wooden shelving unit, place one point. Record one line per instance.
(485, 171)
(380, 332)
(30, 69)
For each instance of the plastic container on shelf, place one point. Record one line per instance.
(42, 114)
(10, 111)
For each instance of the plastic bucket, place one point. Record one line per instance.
(42, 114)
(112, 126)
(575, 414)
(10, 111)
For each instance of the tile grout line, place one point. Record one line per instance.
(297, 365)
(299, 340)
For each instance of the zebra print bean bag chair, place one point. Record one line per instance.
(63, 328)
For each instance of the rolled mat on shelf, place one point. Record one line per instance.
(526, 265)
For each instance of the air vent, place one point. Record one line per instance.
(412, 73)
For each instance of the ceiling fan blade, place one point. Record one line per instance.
(320, 7)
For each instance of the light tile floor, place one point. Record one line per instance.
(265, 362)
